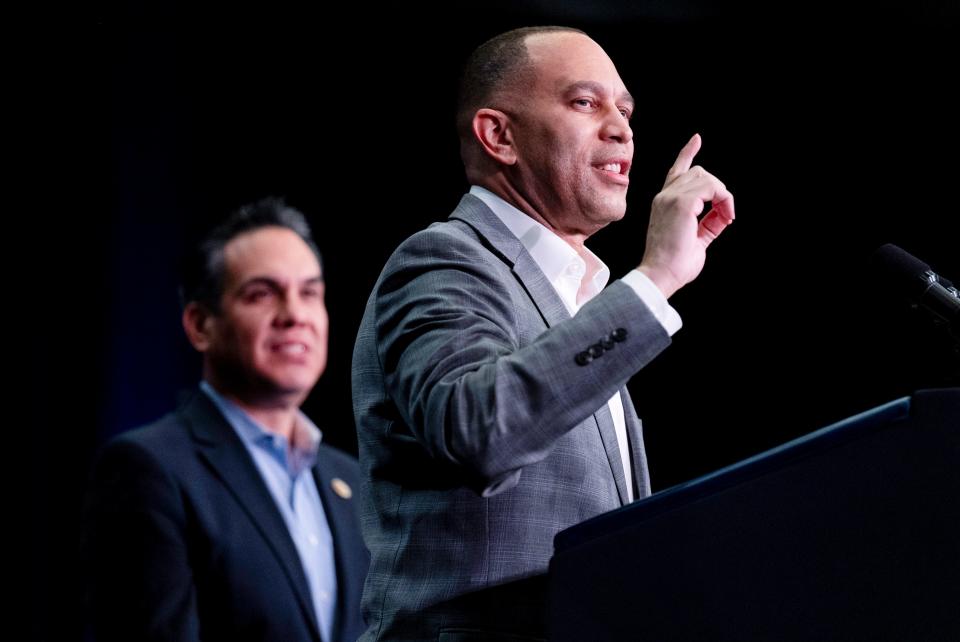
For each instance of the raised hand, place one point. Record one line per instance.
(677, 237)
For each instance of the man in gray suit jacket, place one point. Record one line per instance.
(490, 368)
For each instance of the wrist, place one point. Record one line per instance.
(661, 277)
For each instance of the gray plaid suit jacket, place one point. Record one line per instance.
(481, 433)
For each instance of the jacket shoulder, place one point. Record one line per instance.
(158, 437)
(338, 462)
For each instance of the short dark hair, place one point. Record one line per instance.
(204, 267)
(497, 63)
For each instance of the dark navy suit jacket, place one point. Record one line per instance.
(184, 542)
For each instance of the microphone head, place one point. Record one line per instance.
(902, 269)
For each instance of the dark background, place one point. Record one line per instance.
(833, 128)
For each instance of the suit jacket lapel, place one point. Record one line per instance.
(608, 434)
(477, 215)
(219, 445)
(340, 516)
(641, 474)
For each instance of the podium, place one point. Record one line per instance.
(849, 533)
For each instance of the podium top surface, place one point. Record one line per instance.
(826, 438)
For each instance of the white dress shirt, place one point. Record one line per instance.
(576, 279)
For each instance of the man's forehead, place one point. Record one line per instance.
(274, 252)
(563, 59)
(240, 280)
(541, 38)
(554, 46)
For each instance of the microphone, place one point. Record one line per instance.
(921, 285)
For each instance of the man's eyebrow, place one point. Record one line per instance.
(598, 89)
(257, 280)
(273, 283)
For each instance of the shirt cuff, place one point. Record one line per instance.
(653, 298)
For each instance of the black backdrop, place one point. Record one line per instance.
(833, 128)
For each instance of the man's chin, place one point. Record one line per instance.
(610, 212)
(288, 390)
(294, 388)
(607, 205)
(618, 213)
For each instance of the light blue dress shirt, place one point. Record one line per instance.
(286, 472)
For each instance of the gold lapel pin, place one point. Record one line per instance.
(341, 488)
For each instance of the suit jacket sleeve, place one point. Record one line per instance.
(141, 585)
(476, 390)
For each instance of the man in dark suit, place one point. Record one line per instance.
(228, 519)
(490, 368)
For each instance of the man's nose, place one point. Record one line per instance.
(616, 127)
(291, 311)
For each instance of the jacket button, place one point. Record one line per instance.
(607, 343)
(583, 358)
(596, 350)
(619, 335)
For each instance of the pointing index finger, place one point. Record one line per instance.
(684, 158)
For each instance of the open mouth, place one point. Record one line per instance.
(293, 348)
(616, 170)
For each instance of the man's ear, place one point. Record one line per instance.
(493, 130)
(197, 324)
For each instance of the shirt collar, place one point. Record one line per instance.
(555, 258)
(306, 435)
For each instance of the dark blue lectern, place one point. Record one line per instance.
(850, 533)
